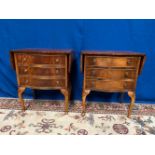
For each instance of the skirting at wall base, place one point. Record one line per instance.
(75, 106)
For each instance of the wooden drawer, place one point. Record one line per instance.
(106, 73)
(54, 83)
(24, 80)
(47, 71)
(23, 59)
(102, 61)
(48, 59)
(110, 85)
(42, 83)
(41, 71)
(23, 70)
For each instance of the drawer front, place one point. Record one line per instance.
(23, 70)
(52, 60)
(100, 61)
(109, 85)
(24, 81)
(48, 71)
(55, 83)
(42, 83)
(23, 59)
(110, 73)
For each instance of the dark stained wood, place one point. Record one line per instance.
(111, 71)
(107, 61)
(106, 73)
(69, 53)
(110, 85)
(92, 53)
(45, 51)
(42, 69)
(36, 70)
(113, 53)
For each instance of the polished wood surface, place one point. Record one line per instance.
(97, 61)
(42, 69)
(106, 73)
(111, 71)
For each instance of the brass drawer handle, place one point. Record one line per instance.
(25, 70)
(57, 83)
(126, 74)
(57, 71)
(93, 72)
(26, 81)
(125, 85)
(24, 59)
(94, 60)
(129, 62)
(57, 60)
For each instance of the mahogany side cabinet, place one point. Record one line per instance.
(42, 69)
(111, 71)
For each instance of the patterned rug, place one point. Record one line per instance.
(16, 122)
(47, 117)
(92, 107)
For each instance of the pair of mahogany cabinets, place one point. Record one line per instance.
(107, 71)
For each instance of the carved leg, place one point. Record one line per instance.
(84, 95)
(20, 93)
(121, 97)
(66, 93)
(132, 96)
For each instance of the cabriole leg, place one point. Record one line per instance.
(132, 96)
(66, 93)
(20, 93)
(84, 95)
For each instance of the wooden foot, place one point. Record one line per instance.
(84, 95)
(66, 94)
(132, 96)
(83, 113)
(21, 101)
